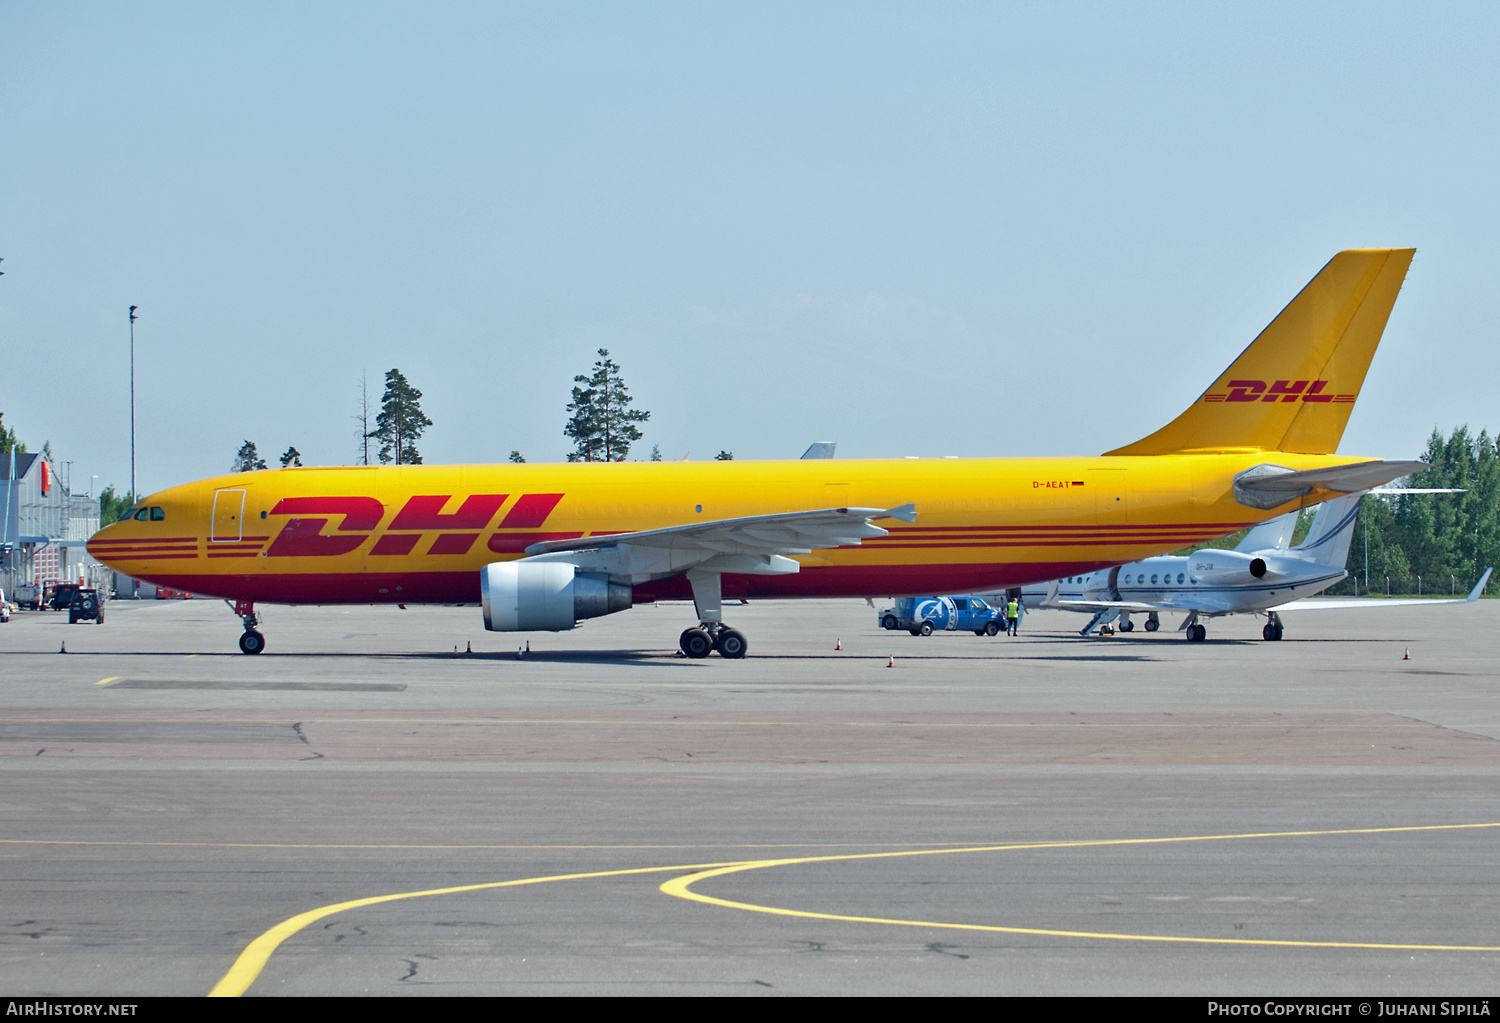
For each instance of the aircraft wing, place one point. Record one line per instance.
(756, 535)
(1104, 605)
(1311, 604)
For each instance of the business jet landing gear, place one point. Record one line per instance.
(251, 642)
(1152, 622)
(1196, 633)
(1273, 628)
(711, 634)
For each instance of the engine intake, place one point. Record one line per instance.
(520, 596)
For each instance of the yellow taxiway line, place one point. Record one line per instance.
(252, 960)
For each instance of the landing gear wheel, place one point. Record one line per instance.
(926, 629)
(1269, 632)
(731, 644)
(252, 642)
(889, 622)
(1196, 633)
(992, 629)
(696, 643)
(1127, 626)
(1152, 624)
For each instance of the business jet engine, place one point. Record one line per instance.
(1231, 568)
(520, 596)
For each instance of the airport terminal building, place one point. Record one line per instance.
(43, 527)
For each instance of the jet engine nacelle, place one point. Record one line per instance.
(520, 596)
(1232, 568)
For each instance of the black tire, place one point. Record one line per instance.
(252, 642)
(889, 622)
(992, 629)
(1127, 626)
(100, 619)
(1269, 632)
(731, 644)
(915, 632)
(1279, 629)
(926, 629)
(696, 643)
(1152, 625)
(89, 604)
(72, 618)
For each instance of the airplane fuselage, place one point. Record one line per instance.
(421, 534)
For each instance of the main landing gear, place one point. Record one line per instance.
(711, 633)
(1194, 633)
(251, 642)
(1273, 628)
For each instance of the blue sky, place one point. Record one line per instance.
(958, 229)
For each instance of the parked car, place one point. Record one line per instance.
(4, 608)
(87, 606)
(59, 596)
(922, 616)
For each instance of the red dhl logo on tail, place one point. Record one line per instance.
(302, 537)
(1280, 390)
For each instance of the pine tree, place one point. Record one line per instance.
(724, 456)
(8, 440)
(515, 456)
(291, 457)
(400, 422)
(603, 424)
(656, 452)
(247, 459)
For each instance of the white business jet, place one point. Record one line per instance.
(1261, 576)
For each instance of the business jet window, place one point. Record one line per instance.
(1153, 578)
(158, 515)
(1180, 578)
(140, 516)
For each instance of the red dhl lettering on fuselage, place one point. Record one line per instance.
(1279, 390)
(303, 535)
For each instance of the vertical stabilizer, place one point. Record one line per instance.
(1294, 387)
(1271, 535)
(1327, 543)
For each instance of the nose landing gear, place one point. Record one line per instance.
(1273, 628)
(251, 642)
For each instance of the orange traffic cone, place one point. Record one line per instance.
(892, 662)
(528, 646)
(839, 645)
(1406, 656)
(471, 647)
(518, 653)
(455, 649)
(64, 647)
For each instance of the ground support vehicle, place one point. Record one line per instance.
(87, 606)
(28, 596)
(922, 616)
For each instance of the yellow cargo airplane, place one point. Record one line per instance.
(541, 547)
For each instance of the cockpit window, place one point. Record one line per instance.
(140, 516)
(158, 514)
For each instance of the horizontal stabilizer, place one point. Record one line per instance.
(1269, 486)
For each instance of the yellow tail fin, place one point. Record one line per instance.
(1294, 387)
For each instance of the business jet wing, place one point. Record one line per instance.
(756, 535)
(1314, 604)
(1119, 605)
